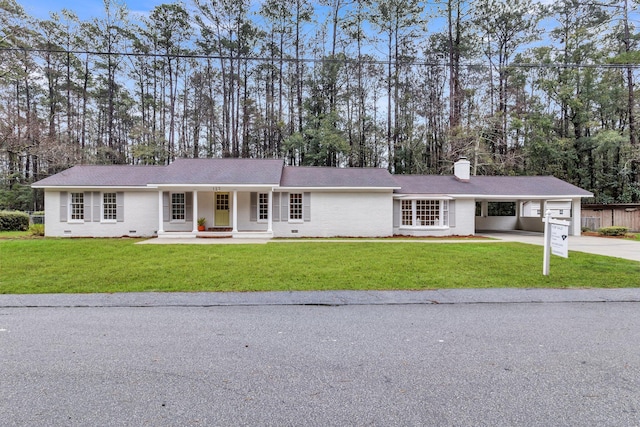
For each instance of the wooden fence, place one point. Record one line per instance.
(623, 215)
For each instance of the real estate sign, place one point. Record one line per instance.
(556, 240)
(560, 239)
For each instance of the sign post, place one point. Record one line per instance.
(556, 240)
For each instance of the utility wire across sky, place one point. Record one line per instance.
(319, 60)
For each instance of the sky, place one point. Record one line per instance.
(85, 9)
(88, 9)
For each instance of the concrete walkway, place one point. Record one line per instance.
(202, 241)
(329, 298)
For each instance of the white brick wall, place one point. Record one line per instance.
(343, 214)
(333, 214)
(464, 223)
(244, 205)
(140, 218)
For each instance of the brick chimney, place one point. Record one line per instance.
(462, 169)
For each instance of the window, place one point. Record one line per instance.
(263, 206)
(177, 207)
(77, 206)
(109, 206)
(295, 206)
(407, 212)
(428, 212)
(425, 213)
(222, 201)
(501, 208)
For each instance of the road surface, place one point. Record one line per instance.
(508, 364)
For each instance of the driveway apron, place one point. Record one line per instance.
(618, 248)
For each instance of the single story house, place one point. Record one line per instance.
(265, 198)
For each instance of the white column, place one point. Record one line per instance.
(160, 213)
(195, 211)
(543, 208)
(269, 213)
(235, 212)
(576, 217)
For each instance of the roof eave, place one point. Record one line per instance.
(410, 196)
(90, 187)
(492, 196)
(212, 185)
(522, 196)
(337, 188)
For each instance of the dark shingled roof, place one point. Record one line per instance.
(222, 171)
(542, 186)
(313, 177)
(273, 172)
(103, 175)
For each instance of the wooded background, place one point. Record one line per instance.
(516, 86)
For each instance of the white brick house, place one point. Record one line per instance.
(264, 198)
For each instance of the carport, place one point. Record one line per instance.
(525, 213)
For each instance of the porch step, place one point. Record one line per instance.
(214, 236)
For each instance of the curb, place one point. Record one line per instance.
(328, 298)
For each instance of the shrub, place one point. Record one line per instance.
(613, 231)
(14, 221)
(36, 229)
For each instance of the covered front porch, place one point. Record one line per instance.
(215, 212)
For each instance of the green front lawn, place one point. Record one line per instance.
(14, 235)
(119, 265)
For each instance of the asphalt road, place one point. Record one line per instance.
(522, 364)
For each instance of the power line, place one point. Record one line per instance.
(319, 60)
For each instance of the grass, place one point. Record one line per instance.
(119, 265)
(15, 234)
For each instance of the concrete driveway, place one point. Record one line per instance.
(618, 248)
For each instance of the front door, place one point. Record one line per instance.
(222, 210)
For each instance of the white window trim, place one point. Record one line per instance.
(265, 220)
(177, 221)
(442, 219)
(70, 219)
(301, 219)
(103, 220)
